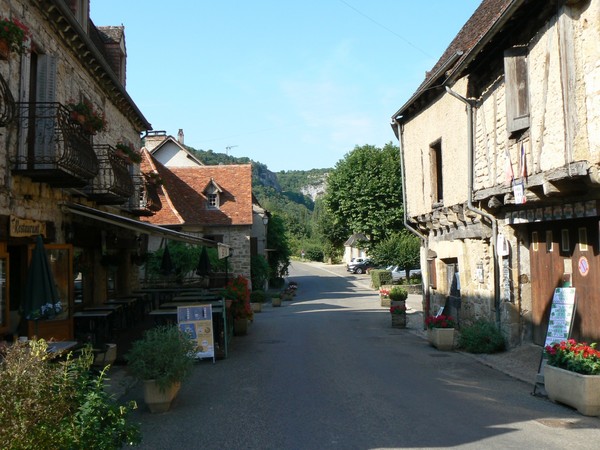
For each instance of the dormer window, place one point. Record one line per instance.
(213, 201)
(213, 195)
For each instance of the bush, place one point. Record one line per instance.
(259, 269)
(481, 337)
(380, 277)
(277, 283)
(398, 294)
(314, 254)
(58, 404)
(257, 296)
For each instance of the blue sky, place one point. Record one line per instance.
(295, 85)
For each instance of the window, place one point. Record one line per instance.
(435, 156)
(517, 89)
(213, 201)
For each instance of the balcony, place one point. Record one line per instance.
(113, 185)
(52, 148)
(145, 200)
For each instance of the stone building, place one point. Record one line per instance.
(69, 166)
(500, 153)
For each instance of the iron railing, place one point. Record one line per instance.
(52, 148)
(145, 200)
(113, 185)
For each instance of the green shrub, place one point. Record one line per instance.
(398, 294)
(58, 404)
(257, 296)
(259, 269)
(314, 254)
(380, 277)
(481, 337)
(277, 283)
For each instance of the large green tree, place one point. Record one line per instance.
(364, 192)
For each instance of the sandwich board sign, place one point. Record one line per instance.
(562, 313)
(196, 322)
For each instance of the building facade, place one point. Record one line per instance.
(500, 152)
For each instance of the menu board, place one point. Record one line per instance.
(561, 316)
(196, 321)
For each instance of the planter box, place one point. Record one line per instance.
(256, 307)
(582, 392)
(385, 301)
(441, 338)
(398, 320)
(276, 301)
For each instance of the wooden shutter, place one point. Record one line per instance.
(517, 89)
(45, 132)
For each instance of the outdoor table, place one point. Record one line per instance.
(95, 324)
(119, 320)
(129, 304)
(164, 316)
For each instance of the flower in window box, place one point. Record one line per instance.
(13, 35)
(84, 113)
(128, 153)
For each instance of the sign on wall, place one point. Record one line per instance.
(26, 227)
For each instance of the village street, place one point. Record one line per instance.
(326, 370)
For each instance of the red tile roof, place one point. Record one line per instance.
(183, 199)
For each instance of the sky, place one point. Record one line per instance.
(295, 85)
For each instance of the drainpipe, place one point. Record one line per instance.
(427, 300)
(471, 207)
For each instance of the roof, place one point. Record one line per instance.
(171, 140)
(464, 46)
(184, 201)
(355, 239)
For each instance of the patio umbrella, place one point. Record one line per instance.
(41, 295)
(203, 268)
(166, 265)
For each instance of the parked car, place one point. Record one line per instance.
(361, 267)
(353, 262)
(400, 274)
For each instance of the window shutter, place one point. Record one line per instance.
(45, 145)
(516, 88)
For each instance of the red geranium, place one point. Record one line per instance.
(440, 321)
(574, 356)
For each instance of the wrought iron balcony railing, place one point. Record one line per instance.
(114, 184)
(52, 148)
(145, 200)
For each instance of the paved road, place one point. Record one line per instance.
(327, 371)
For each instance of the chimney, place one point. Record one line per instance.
(180, 136)
(153, 139)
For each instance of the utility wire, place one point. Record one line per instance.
(387, 29)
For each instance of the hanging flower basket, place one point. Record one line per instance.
(13, 37)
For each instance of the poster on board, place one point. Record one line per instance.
(562, 312)
(196, 321)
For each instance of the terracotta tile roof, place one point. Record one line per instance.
(184, 201)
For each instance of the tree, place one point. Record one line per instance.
(364, 192)
(279, 250)
(401, 249)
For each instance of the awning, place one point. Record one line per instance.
(136, 225)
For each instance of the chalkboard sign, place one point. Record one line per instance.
(562, 313)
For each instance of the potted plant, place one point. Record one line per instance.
(13, 36)
(398, 313)
(276, 300)
(384, 296)
(153, 178)
(128, 153)
(572, 375)
(440, 331)
(162, 359)
(256, 300)
(238, 292)
(83, 112)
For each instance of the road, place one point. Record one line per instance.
(327, 371)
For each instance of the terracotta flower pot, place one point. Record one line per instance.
(159, 401)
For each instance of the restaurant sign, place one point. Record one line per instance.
(26, 227)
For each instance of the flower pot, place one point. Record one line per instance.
(159, 401)
(582, 392)
(398, 320)
(240, 327)
(441, 338)
(276, 301)
(256, 307)
(385, 301)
